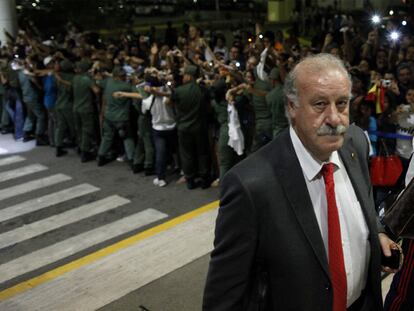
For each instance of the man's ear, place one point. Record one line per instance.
(292, 109)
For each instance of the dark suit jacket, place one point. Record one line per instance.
(266, 196)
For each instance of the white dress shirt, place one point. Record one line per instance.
(354, 230)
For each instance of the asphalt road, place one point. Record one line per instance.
(77, 237)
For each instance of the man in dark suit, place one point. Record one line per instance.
(297, 218)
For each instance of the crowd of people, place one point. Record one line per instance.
(191, 104)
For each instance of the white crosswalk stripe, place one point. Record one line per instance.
(22, 171)
(48, 224)
(33, 185)
(92, 286)
(76, 244)
(46, 201)
(71, 243)
(11, 160)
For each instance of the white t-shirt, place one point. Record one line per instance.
(162, 115)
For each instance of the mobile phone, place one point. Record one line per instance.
(393, 261)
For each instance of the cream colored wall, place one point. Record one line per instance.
(7, 18)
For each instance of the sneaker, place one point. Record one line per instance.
(162, 183)
(156, 181)
(182, 180)
(215, 183)
(122, 158)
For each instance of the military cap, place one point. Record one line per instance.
(191, 70)
(274, 74)
(66, 65)
(118, 71)
(83, 65)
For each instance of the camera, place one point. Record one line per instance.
(385, 83)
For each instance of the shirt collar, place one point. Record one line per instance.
(311, 167)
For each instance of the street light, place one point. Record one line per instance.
(376, 19)
(394, 35)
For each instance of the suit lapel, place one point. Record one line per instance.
(351, 160)
(293, 183)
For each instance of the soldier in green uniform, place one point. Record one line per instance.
(191, 105)
(263, 117)
(12, 97)
(144, 150)
(227, 156)
(275, 101)
(143, 159)
(85, 112)
(64, 106)
(36, 115)
(5, 124)
(116, 116)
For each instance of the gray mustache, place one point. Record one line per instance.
(329, 130)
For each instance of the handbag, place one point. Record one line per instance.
(385, 169)
(400, 216)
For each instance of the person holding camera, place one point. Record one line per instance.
(155, 102)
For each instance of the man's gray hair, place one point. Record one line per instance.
(313, 64)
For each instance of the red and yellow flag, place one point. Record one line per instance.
(376, 94)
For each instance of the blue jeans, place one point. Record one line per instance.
(165, 146)
(14, 107)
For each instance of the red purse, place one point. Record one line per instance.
(385, 169)
(377, 170)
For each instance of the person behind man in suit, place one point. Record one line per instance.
(297, 218)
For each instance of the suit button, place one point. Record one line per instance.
(327, 286)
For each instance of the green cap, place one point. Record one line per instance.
(83, 65)
(118, 71)
(274, 74)
(191, 70)
(66, 65)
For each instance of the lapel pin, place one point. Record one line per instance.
(353, 155)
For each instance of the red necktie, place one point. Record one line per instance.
(336, 256)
